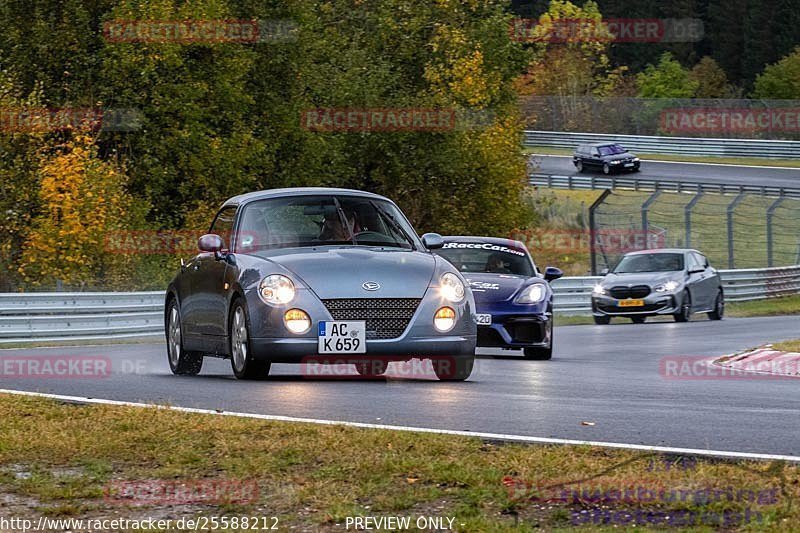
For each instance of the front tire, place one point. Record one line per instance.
(686, 309)
(719, 308)
(602, 320)
(606, 169)
(453, 368)
(538, 353)
(181, 362)
(244, 365)
(579, 166)
(639, 319)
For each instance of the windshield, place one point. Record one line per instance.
(611, 149)
(323, 220)
(655, 262)
(486, 257)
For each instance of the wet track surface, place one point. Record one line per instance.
(608, 375)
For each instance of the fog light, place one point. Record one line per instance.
(444, 319)
(297, 321)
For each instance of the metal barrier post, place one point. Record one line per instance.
(770, 212)
(687, 213)
(646, 207)
(730, 211)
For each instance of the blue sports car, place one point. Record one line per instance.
(514, 300)
(318, 275)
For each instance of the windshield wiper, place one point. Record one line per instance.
(397, 227)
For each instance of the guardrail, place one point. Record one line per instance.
(57, 317)
(670, 145)
(634, 183)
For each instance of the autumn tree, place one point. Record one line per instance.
(781, 80)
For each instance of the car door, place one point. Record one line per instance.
(694, 282)
(209, 279)
(594, 157)
(709, 281)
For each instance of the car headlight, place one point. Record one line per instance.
(598, 290)
(615, 162)
(297, 321)
(276, 289)
(532, 294)
(667, 287)
(451, 288)
(635, 159)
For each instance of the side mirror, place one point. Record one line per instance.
(432, 241)
(604, 272)
(210, 243)
(552, 273)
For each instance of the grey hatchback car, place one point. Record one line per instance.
(667, 281)
(317, 276)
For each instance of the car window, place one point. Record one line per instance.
(488, 258)
(654, 262)
(698, 262)
(595, 152)
(223, 224)
(323, 220)
(612, 149)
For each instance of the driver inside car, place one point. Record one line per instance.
(333, 229)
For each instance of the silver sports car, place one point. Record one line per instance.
(318, 275)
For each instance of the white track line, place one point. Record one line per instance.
(796, 169)
(488, 436)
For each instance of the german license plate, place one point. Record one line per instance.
(631, 303)
(628, 164)
(483, 319)
(342, 337)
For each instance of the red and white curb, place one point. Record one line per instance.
(764, 360)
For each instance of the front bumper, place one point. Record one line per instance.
(515, 329)
(654, 304)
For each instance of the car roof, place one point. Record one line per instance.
(664, 250)
(299, 191)
(601, 144)
(490, 240)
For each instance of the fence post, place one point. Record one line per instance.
(687, 213)
(592, 228)
(646, 207)
(770, 212)
(730, 212)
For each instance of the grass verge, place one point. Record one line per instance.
(788, 346)
(60, 460)
(742, 161)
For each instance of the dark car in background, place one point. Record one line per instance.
(292, 275)
(667, 281)
(604, 157)
(514, 301)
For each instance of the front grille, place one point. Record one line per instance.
(621, 292)
(386, 318)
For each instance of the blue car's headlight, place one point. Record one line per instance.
(276, 289)
(667, 287)
(532, 294)
(451, 288)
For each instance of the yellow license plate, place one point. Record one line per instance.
(631, 303)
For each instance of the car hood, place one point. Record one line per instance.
(619, 157)
(339, 272)
(494, 287)
(641, 278)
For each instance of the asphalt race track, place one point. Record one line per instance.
(608, 375)
(687, 172)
